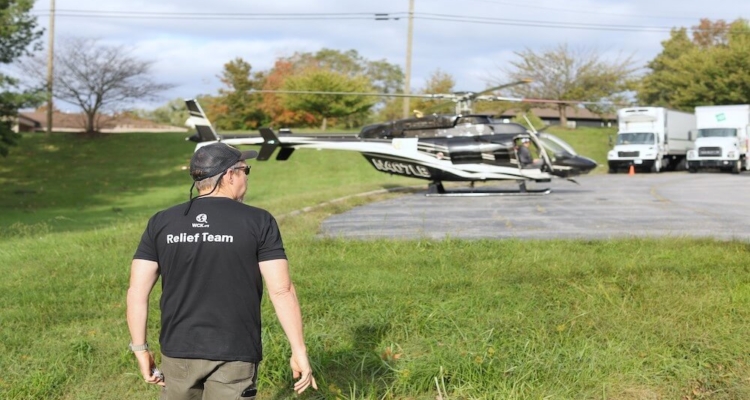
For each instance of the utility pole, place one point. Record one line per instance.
(50, 63)
(407, 77)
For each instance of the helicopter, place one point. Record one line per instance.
(464, 147)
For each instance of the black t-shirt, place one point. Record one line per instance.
(211, 282)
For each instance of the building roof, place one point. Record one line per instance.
(26, 121)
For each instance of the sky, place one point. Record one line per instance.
(189, 41)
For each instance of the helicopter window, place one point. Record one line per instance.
(555, 145)
(511, 127)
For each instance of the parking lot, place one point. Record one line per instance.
(603, 206)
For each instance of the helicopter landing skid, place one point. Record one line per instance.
(437, 190)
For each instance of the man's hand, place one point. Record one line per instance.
(146, 365)
(301, 369)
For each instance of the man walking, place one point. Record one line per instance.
(213, 254)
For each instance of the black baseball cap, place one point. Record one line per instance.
(215, 158)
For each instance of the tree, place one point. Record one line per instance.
(656, 87)
(568, 75)
(97, 77)
(328, 105)
(439, 82)
(709, 34)
(236, 106)
(710, 69)
(173, 113)
(382, 77)
(273, 105)
(18, 32)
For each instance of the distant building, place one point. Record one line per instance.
(36, 121)
(576, 117)
(25, 124)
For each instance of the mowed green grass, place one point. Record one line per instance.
(66, 182)
(622, 319)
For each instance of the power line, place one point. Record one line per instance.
(584, 11)
(402, 14)
(148, 15)
(542, 24)
(217, 15)
(227, 17)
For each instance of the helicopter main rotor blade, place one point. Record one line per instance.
(528, 100)
(500, 87)
(499, 98)
(425, 96)
(479, 96)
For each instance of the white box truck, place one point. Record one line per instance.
(721, 139)
(651, 138)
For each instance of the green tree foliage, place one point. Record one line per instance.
(272, 103)
(439, 82)
(712, 68)
(382, 77)
(326, 106)
(236, 107)
(391, 109)
(656, 88)
(18, 31)
(566, 74)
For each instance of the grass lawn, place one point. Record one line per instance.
(619, 319)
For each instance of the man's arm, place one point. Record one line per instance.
(143, 277)
(284, 298)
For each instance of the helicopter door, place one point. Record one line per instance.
(538, 143)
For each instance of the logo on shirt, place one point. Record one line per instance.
(202, 221)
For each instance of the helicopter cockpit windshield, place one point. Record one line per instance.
(556, 147)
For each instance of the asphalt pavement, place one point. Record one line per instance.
(679, 204)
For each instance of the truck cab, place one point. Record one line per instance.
(721, 140)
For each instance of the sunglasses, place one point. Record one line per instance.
(246, 168)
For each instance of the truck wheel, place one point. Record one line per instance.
(737, 167)
(692, 169)
(612, 170)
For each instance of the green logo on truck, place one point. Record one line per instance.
(721, 117)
